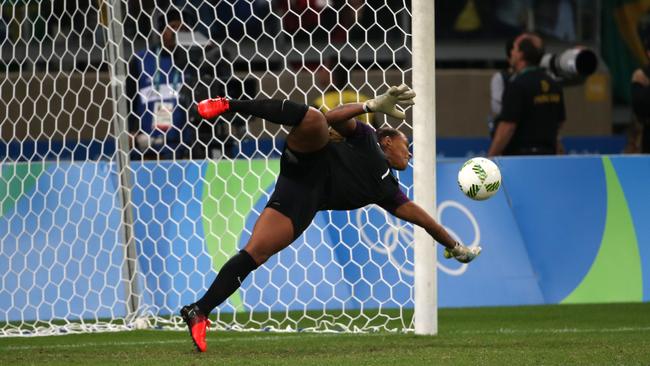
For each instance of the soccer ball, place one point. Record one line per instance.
(479, 178)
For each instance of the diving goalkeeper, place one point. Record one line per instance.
(318, 174)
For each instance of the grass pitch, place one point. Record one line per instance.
(534, 335)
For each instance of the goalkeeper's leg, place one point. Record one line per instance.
(273, 232)
(309, 130)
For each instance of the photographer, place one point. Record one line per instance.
(532, 106)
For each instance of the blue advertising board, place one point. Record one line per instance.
(561, 230)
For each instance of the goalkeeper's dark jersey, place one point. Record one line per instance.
(359, 173)
(342, 176)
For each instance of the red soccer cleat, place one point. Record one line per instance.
(197, 324)
(211, 108)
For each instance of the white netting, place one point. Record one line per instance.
(119, 204)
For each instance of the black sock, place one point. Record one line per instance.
(230, 277)
(284, 112)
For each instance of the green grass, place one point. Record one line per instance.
(536, 335)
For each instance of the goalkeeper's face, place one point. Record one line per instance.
(397, 151)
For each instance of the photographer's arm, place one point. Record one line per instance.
(640, 95)
(640, 78)
(502, 137)
(512, 106)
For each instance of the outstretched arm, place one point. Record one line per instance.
(416, 215)
(341, 118)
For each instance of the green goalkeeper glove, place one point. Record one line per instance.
(386, 103)
(462, 253)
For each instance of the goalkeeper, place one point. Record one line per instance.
(318, 174)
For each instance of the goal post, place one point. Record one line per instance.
(102, 228)
(111, 12)
(424, 160)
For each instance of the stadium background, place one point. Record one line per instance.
(562, 230)
(467, 55)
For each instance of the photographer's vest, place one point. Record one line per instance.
(159, 83)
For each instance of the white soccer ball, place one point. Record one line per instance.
(479, 178)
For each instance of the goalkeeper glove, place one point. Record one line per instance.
(462, 253)
(386, 103)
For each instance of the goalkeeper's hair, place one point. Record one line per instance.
(387, 132)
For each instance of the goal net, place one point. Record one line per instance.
(119, 204)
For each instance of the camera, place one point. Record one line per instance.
(573, 63)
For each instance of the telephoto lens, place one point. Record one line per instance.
(577, 62)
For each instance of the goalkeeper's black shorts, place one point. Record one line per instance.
(301, 188)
